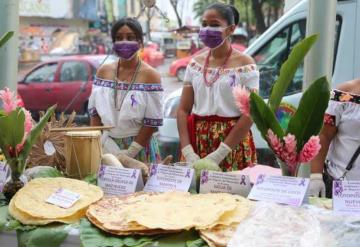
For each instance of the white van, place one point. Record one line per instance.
(272, 48)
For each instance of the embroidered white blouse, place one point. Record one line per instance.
(218, 99)
(344, 113)
(142, 106)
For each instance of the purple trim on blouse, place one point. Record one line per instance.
(152, 122)
(124, 86)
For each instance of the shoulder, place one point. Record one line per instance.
(151, 76)
(352, 86)
(241, 59)
(200, 58)
(107, 71)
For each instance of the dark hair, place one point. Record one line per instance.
(228, 12)
(132, 23)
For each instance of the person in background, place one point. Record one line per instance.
(339, 139)
(127, 94)
(209, 123)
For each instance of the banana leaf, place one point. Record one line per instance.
(5, 38)
(14, 126)
(288, 70)
(308, 119)
(264, 117)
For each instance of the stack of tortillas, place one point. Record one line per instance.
(147, 214)
(29, 204)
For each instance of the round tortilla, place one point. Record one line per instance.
(219, 235)
(31, 199)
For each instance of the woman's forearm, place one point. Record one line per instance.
(238, 132)
(182, 127)
(144, 135)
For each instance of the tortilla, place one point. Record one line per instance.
(31, 199)
(220, 235)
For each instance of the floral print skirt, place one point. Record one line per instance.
(150, 154)
(211, 131)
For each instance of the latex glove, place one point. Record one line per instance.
(133, 150)
(109, 145)
(219, 154)
(189, 154)
(317, 185)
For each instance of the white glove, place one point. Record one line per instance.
(219, 154)
(317, 185)
(109, 145)
(133, 150)
(189, 154)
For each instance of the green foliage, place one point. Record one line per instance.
(288, 70)
(91, 179)
(46, 172)
(5, 38)
(12, 127)
(308, 119)
(264, 117)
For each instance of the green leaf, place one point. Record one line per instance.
(178, 239)
(5, 38)
(288, 70)
(3, 201)
(308, 119)
(91, 236)
(4, 215)
(13, 124)
(264, 117)
(46, 236)
(196, 243)
(91, 179)
(44, 172)
(35, 132)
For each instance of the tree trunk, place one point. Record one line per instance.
(247, 19)
(148, 17)
(232, 2)
(174, 5)
(276, 13)
(259, 16)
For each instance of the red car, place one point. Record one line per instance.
(178, 67)
(66, 81)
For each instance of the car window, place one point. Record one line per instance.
(74, 71)
(274, 53)
(45, 73)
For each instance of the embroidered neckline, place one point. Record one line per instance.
(124, 86)
(341, 96)
(242, 69)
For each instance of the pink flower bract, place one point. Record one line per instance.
(242, 99)
(275, 143)
(310, 149)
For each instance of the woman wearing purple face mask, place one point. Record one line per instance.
(127, 94)
(210, 125)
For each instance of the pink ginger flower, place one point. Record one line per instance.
(28, 122)
(275, 143)
(10, 101)
(289, 151)
(242, 99)
(310, 149)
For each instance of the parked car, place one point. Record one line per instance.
(178, 67)
(65, 81)
(272, 48)
(151, 55)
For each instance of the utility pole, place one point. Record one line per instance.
(9, 19)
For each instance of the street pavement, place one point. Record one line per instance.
(170, 84)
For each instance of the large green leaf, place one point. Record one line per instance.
(35, 132)
(5, 38)
(4, 214)
(308, 119)
(12, 128)
(46, 236)
(264, 117)
(178, 239)
(288, 70)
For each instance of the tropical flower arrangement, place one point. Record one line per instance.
(298, 142)
(17, 136)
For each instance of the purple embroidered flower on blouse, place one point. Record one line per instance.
(133, 100)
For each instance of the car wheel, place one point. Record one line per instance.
(180, 74)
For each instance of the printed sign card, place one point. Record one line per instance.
(280, 189)
(119, 181)
(224, 182)
(3, 174)
(346, 197)
(63, 198)
(169, 178)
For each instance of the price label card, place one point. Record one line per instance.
(169, 178)
(63, 198)
(346, 197)
(119, 181)
(280, 189)
(3, 174)
(224, 182)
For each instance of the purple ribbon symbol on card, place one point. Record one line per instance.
(187, 175)
(153, 170)
(204, 177)
(133, 100)
(101, 171)
(338, 188)
(232, 82)
(243, 180)
(133, 175)
(260, 179)
(302, 182)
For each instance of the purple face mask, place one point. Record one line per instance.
(126, 49)
(211, 36)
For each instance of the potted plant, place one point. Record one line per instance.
(298, 142)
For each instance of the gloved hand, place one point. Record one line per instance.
(317, 185)
(189, 154)
(133, 150)
(219, 154)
